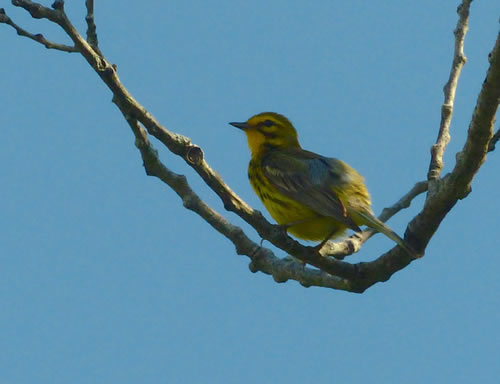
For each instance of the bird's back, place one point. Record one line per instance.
(308, 193)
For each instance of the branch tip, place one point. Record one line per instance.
(58, 5)
(459, 59)
(493, 142)
(38, 37)
(91, 27)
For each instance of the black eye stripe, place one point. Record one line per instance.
(269, 135)
(266, 123)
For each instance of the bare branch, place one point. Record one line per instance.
(480, 134)
(38, 11)
(404, 202)
(39, 38)
(332, 272)
(459, 59)
(456, 185)
(91, 27)
(341, 249)
(449, 189)
(183, 147)
(263, 259)
(360, 276)
(493, 141)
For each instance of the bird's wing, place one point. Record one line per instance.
(310, 179)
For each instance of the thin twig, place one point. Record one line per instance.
(39, 38)
(38, 11)
(91, 26)
(404, 202)
(493, 141)
(459, 59)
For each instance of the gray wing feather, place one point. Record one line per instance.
(310, 181)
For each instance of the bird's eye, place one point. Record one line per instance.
(268, 123)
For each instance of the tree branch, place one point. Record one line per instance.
(262, 259)
(459, 59)
(456, 185)
(332, 272)
(38, 11)
(404, 202)
(91, 27)
(183, 147)
(493, 141)
(480, 133)
(39, 38)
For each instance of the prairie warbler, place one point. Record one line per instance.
(312, 196)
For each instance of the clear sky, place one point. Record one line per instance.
(106, 278)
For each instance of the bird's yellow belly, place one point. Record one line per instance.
(301, 221)
(318, 229)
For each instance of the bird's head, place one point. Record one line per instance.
(268, 130)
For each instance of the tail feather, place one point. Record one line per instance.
(371, 221)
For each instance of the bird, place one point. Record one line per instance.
(311, 196)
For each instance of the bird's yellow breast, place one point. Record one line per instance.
(300, 220)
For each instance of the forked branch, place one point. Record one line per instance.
(449, 90)
(38, 37)
(330, 272)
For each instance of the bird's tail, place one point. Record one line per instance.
(371, 221)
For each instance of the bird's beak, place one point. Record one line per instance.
(242, 126)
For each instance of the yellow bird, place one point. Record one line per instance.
(314, 197)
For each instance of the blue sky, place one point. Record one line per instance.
(106, 277)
